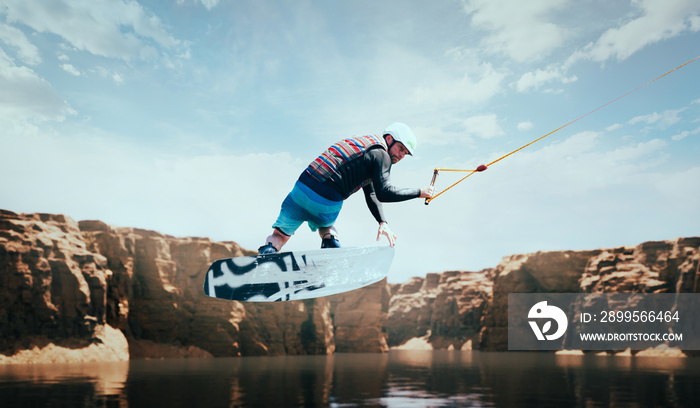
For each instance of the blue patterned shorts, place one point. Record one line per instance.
(304, 204)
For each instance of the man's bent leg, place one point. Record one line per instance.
(275, 242)
(291, 216)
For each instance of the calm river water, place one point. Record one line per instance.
(396, 379)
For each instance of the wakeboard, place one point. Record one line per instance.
(297, 275)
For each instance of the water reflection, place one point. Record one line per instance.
(64, 385)
(397, 379)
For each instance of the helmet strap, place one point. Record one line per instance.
(393, 141)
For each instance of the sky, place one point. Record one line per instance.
(195, 118)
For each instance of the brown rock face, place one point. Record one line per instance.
(74, 291)
(60, 280)
(651, 267)
(51, 285)
(360, 318)
(153, 293)
(541, 272)
(447, 308)
(411, 310)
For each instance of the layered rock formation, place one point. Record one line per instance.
(445, 309)
(51, 286)
(62, 282)
(360, 318)
(541, 272)
(651, 267)
(81, 291)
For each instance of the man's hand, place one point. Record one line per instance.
(427, 192)
(386, 231)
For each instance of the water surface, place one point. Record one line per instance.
(396, 379)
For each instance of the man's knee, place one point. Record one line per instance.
(278, 231)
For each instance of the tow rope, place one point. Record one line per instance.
(486, 166)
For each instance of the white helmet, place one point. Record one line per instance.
(402, 133)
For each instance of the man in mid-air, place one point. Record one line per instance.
(356, 163)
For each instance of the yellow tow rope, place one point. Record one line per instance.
(485, 166)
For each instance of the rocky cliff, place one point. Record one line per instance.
(444, 310)
(80, 291)
(651, 267)
(72, 285)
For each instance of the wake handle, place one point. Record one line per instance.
(432, 184)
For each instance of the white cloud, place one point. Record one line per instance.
(294, 81)
(663, 120)
(635, 152)
(576, 165)
(682, 135)
(524, 126)
(398, 83)
(614, 127)
(483, 126)
(461, 54)
(26, 95)
(575, 146)
(101, 27)
(472, 87)
(203, 195)
(682, 191)
(27, 52)
(535, 79)
(107, 73)
(208, 4)
(660, 20)
(576, 184)
(521, 30)
(70, 69)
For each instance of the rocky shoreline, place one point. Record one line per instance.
(86, 291)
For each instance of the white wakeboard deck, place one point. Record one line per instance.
(297, 275)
